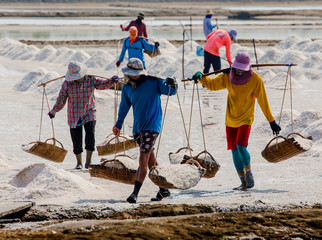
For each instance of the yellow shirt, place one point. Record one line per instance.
(241, 98)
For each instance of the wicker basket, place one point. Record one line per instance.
(117, 146)
(211, 166)
(46, 150)
(178, 156)
(162, 181)
(153, 53)
(114, 170)
(283, 150)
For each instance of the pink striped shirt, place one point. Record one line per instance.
(81, 99)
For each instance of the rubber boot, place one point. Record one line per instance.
(242, 187)
(88, 158)
(79, 161)
(250, 183)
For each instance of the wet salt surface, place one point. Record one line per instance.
(295, 181)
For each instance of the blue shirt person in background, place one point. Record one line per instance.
(207, 26)
(142, 93)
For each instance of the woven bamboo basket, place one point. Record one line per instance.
(162, 181)
(178, 156)
(46, 150)
(114, 170)
(211, 166)
(117, 146)
(283, 150)
(153, 53)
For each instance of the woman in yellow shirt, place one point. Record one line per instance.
(243, 85)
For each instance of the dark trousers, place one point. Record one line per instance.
(77, 137)
(210, 59)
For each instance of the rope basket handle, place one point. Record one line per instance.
(117, 138)
(187, 148)
(193, 162)
(310, 137)
(55, 140)
(205, 152)
(275, 138)
(153, 169)
(123, 155)
(114, 160)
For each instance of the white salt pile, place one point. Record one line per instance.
(302, 44)
(289, 42)
(182, 176)
(176, 158)
(128, 162)
(100, 59)
(278, 82)
(159, 64)
(292, 56)
(42, 180)
(78, 56)
(44, 53)
(272, 55)
(315, 46)
(306, 144)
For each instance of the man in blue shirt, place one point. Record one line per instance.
(142, 93)
(207, 26)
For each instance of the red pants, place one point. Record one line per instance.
(238, 136)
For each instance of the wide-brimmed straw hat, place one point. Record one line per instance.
(75, 71)
(242, 61)
(209, 11)
(134, 67)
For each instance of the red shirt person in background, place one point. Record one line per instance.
(139, 24)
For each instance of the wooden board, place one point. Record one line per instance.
(8, 208)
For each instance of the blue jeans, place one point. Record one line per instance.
(210, 59)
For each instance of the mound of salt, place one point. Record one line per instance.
(182, 176)
(312, 61)
(289, 42)
(314, 130)
(166, 46)
(60, 51)
(315, 46)
(30, 80)
(29, 53)
(278, 82)
(64, 56)
(99, 59)
(44, 53)
(189, 47)
(313, 75)
(272, 55)
(302, 45)
(42, 180)
(265, 74)
(79, 56)
(195, 64)
(7, 44)
(159, 64)
(54, 87)
(292, 56)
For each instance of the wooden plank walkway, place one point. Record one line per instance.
(9, 208)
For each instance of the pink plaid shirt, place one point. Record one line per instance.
(81, 99)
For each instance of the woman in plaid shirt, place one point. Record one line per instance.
(78, 89)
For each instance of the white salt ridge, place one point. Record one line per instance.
(313, 61)
(44, 53)
(100, 59)
(176, 158)
(187, 48)
(42, 180)
(272, 55)
(289, 42)
(193, 65)
(8, 44)
(165, 45)
(292, 56)
(29, 53)
(182, 176)
(59, 52)
(265, 74)
(278, 82)
(302, 44)
(159, 64)
(30, 80)
(64, 57)
(79, 56)
(315, 46)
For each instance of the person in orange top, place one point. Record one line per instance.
(243, 85)
(216, 40)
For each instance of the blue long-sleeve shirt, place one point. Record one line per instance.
(135, 50)
(146, 103)
(207, 26)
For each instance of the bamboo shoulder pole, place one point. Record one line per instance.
(253, 65)
(44, 84)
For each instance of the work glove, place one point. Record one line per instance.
(115, 79)
(275, 127)
(157, 44)
(226, 70)
(197, 76)
(170, 82)
(118, 63)
(51, 115)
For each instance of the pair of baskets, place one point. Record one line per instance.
(204, 158)
(287, 148)
(114, 169)
(115, 144)
(47, 150)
